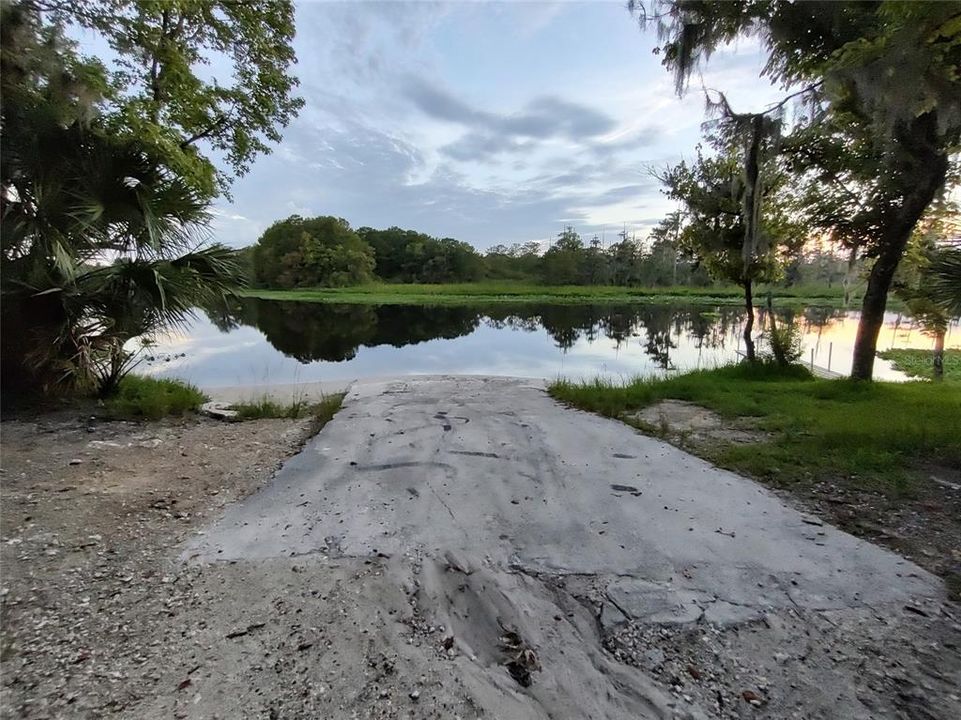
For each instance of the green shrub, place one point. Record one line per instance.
(139, 396)
(784, 342)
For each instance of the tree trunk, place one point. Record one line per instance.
(749, 352)
(939, 355)
(923, 174)
(848, 281)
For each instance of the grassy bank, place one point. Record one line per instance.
(266, 407)
(488, 292)
(140, 397)
(148, 398)
(866, 435)
(920, 363)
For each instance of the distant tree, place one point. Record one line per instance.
(563, 263)
(881, 83)
(527, 258)
(452, 261)
(624, 259)
(410, 256)
(715, 233)
(389, 250)
(596, 268)
(307, 252)
(665, 250)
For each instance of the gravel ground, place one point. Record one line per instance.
(92, 596)
(102, 618)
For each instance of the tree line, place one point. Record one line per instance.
(326, 252)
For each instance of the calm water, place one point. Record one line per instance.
(262, 341)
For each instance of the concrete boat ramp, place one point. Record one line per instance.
(494, 549)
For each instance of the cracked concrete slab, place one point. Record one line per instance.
(503, 500)
(494, 466)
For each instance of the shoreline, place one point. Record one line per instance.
(504, 293)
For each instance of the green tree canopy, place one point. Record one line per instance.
(564, 262)
(195, 78)
(309, 252)
(881, 83)
(411, 256)
(714, 230)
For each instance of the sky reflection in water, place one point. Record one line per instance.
(261, 341)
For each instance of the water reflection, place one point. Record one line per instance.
(258, 341)
(312, 332)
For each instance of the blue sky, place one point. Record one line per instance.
(487, 122)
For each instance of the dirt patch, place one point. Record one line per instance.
(803, 665)
(922, 523)
(92, 604)
(692, 425)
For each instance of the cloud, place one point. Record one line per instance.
(477, 145)
(616, 195)
(643, 137)
(542, 118)
(377, 178)
(482, 121)
(442, 105)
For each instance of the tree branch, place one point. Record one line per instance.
(205, 133)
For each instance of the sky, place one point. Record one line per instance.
(483, 121)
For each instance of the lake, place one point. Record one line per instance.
(263, 341)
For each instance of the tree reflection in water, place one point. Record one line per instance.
(335, 332)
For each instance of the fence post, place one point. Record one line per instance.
(812, 359)
(830, 351)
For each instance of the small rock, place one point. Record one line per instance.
(75, 461)
(655, 657)
(414, 695)
(219, 411)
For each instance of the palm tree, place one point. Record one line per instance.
(945, 280)
(929, 283)
(100, 242)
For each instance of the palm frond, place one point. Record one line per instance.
(944, 277)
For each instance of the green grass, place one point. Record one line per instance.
(508, 291)
(919, 363)
(871, 435)
(145, 397)
(266, 407)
